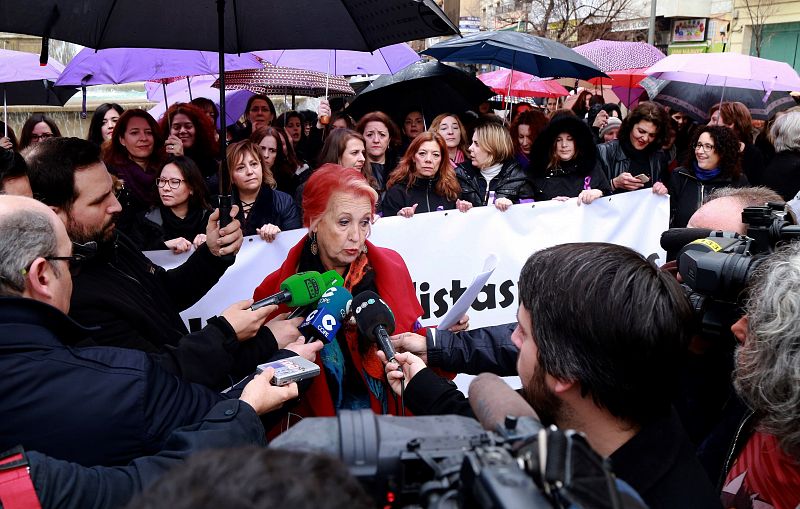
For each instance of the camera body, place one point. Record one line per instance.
(715, 270)
(449, 461)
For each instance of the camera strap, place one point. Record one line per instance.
(16, 486)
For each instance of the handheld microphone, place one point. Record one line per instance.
(297, 290)
(332, 279)
(324, 322)
(493, 400)
(375, 320)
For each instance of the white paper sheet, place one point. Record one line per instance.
(462, 305)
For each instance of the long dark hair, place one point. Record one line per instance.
(95, 134)
(193, 179)
(27, 129)
(116, 154)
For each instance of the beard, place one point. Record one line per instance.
(81, 233)
(543, 400)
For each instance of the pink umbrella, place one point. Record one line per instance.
(386, 60)
(519, 84)
(617, 55)
(727, 70)
(19, 67)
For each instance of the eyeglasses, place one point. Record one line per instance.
(74, 261)
(173, 183)
(705, 147)
(40, 137)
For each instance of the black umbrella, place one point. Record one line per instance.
(37, 92)
(228, 27)
(696, 100)
(429, 87)
(517, 51)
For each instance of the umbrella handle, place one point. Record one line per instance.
(5, 114)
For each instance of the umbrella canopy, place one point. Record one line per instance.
(249, 24)
(236, 100)
(35, 92)
(727, 70)
(520, 84)
(387, 60)
(696, 100)
(284, 80)
(618, 55)
(624, 78)
(518, 51)
(24, 82)
(126, 65)
(22, 66)
(429, 87)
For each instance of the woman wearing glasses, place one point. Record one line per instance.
(713, 162)
(38, 127)
(179, 221)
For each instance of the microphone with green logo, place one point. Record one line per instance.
(299, 289)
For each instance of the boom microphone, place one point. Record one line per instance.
(493, 400)
(375, 320)
(297, 290)
(324, 322)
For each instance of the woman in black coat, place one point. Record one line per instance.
(179, 221)
(714, 161)
(424, 181)
(783, 172)
(564, 164)
(263, 210)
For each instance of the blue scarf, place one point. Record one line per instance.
(705, 175)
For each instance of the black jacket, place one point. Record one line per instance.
(93, 406)
(136, 305)
(152, 228)
(486, 349)
(66, 485)
(271, 207)
(422, 192)
(507, 183)
(614, 161)
(783, 174)
(686, 193)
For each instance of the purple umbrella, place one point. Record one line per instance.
(126, 65)
(727, 70)
(618, 55)
(24, 81)
(386, 60)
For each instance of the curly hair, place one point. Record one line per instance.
(395, 138)
(647, 112)
(726, 145)
(205, 143)
(767, 372)
(533, 118)
(406, 171)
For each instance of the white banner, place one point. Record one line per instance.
(444, 250)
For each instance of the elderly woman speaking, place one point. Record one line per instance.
(339, 206)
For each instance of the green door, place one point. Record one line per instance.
(781, 42)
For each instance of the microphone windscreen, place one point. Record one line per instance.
(332, 278)
(674, 239)
(304, 287)
(492, 400)
(327, 319)
(370, 311)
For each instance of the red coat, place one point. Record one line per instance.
(395, 288)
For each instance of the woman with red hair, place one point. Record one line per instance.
(193, 127)
(424, 181)
(339, 206)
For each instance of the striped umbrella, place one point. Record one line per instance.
(273, 80)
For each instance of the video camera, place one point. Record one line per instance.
(716, 269)
(449, 461)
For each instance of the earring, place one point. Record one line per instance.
(314, 247)
(364, 249)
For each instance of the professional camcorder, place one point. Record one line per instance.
(449, 461)
(716, 269)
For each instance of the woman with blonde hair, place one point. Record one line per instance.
(449, 126)
(424, 181)
(263, 210)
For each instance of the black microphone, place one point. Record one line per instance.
(375, 320)
(493, 400)
(674, 239)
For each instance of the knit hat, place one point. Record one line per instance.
(611, 123)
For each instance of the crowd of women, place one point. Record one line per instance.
(167, 170)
